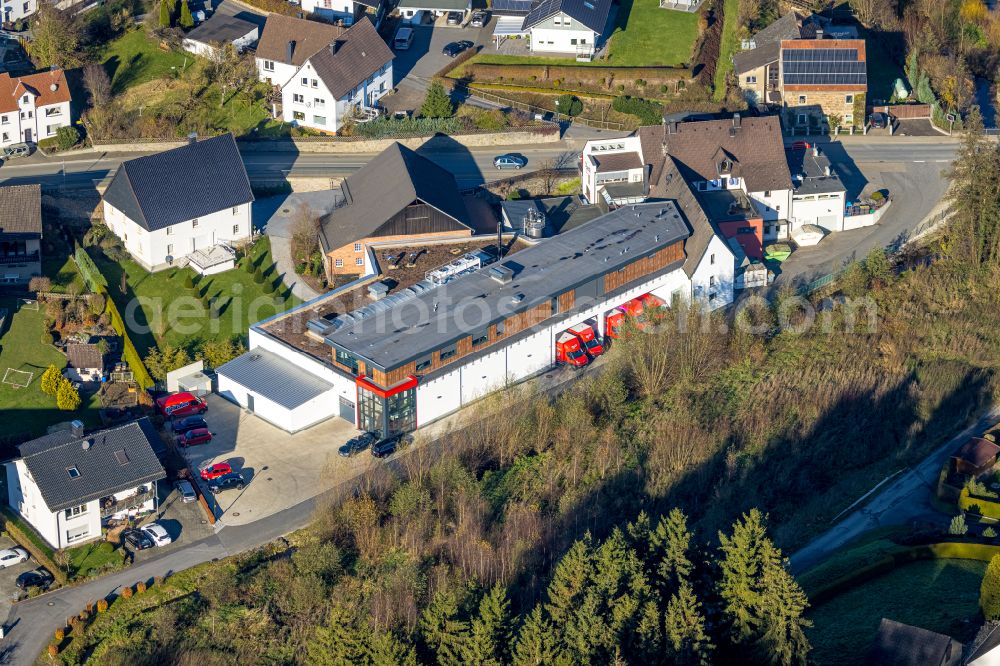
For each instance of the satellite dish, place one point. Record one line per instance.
(54, 87)
(170, 259)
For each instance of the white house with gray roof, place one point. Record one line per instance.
(576, 27)
(167, 206)
(68, 484)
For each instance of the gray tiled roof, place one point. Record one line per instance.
(21, 209)
(49, 459)
(591, 13)
(813, 167)
(439, 5)
(306, 37)
(617, 162)
(274, 378)
(414, 327)
(351, 58)
(84, 356)
(898, 644)
(221, 29)
(674, 187)
(390, 182)
(177, 185)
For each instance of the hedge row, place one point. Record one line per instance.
(88, 269)
(584, 74)
(978, 505)
(649, 113)
(26, 537)
(129, 352)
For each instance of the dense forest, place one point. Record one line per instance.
(623, 521)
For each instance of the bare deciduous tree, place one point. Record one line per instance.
(98, 84)
(232, 71)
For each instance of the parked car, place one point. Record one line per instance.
(479, 19)
(40, 578)
(227, 482)
(358, 444)
(137, 539)
(390, 445)
(12, 556)
(181, 404)
(879, 120)
(157, 533)
(194, 437)
(216, 470)
(509, 161)
(186, 491)
(187, 423)
(16, 150)
(454, 48)
(455, 18)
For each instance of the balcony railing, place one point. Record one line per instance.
(111, 506)
(7, 260)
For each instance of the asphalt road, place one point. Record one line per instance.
(904, 499)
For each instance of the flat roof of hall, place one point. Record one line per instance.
(409, 329)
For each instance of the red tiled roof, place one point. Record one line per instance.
(49, 87)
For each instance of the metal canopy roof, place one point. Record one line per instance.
(274, 378)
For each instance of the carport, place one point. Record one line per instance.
(508, 26)
(278, 391)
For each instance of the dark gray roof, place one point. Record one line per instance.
(987, 639)
(813, 167)
(438, 316)
(767, 44)
(441, 5)
(617, 161)
(746, 61)
(220, 29)
(673, 186)
(351, 58)
(275, 378)
(21, 209)
(84, 356)
(591, 13)
(177, 185)
(390, 182)
(50, 458)
(561, 213)
(898, 644)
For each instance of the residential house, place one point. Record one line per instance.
(345, 78)
(85, 363)
(68, 484)
(898, 644)
(818, 195)
(984, 650)
(576, 27)
(615, 170)
(15, 10)
(20, 233)
(220, 29)
(414, 11)
(286, 43)
(33, 107)
(398, 195)
(977, 456)
(345, 11)
(821, 78)
(165, 206)
(757, 66)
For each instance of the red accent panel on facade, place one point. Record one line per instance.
(409, 383)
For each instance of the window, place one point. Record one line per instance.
(803, 119)
(170, 250)
(4, 120)
(305, 80)
(268, 65)
(711, 260)
(712, 295)
(236, 210)
(447, 352)
(319, 103)
(313, 83)
(567, 20)
(299, 99)
(480, 337)
(77, 534)
(767, 193)
(75, 511)
(73, 472)
(357, 247)
(53, 111)
(339, 263)
(319, 120)
(572, 42)
(359, 261)
(802, 99)
(170, 231)
(702, 186)
(423, 363)
(848, 99)
(6, 137)
(557, 20)
(751, 79)
(848, 117)
(121, 455)
(346, 360)
(236, 229)
(194, 223)
(298, 115)
(24, 100)
(711, 280)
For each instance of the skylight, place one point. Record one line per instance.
(73, 472)
(121, 457)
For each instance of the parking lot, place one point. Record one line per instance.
(8, 575)
(281, 470)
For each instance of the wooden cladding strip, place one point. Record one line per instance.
(644, 266)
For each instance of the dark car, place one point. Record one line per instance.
(193, 437)
(137, 539)
(390, 445)
(509, 161)
(227, 482)
(358, 444)
(455, 18)
(181, 426)
(454, 48)
(879, 120)
(479, 19)
(40, 578)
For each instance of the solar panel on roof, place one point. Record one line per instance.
(512, 7)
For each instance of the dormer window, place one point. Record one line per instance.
(73, 472)
(25, 100)
(725, 166)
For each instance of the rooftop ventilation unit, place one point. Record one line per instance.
(502, 274)
(464, 264)
(378, 290)
(534, 224)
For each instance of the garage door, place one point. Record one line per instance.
(828, 222)
(347, 410)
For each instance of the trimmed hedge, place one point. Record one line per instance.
(88, 269)
(978, 506)
(22, 533)
(129, 352)
(649, 113)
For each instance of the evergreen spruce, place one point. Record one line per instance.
(165, 19)
(989, 592)
(784, 641)
(437, 103)
(186, 20)
(685, 628)
(444, 635)
(336, 643)
(743, 562)
(669, 545)
(489, 632)
(535, 644)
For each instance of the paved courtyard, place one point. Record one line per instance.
(281, 470)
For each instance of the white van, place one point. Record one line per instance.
(403, 39)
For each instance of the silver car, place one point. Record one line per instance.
(186, 491)
(12, 556)
(509, 161)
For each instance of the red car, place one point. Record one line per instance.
(216, 470)
(193, 437)
(181, 404)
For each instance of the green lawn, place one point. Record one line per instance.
(940, 595)
(174, 315)
(93, 558)
(730, 42)
(63, 273)
(646, 35)
(134, 58)
(27, 410)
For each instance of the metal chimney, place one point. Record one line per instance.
(76, 427)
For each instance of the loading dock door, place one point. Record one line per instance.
(347, 410)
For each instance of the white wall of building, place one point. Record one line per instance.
(310, 413)
(15, 10)
(772, 205)
(548, 40)
(824, 210)
(151, 248)
(274, 72)
(307, 102)
(593, 150)
(207, 50)
(331, 9)
(714, 275)
(25, 498)
(31, 123)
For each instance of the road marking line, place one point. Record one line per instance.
(919, 161)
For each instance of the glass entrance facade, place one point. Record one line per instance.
(387, 412)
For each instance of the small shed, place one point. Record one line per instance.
(975, 457)
(85, 363)
(218, 30)
(898, 644)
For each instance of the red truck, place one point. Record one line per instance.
(570, 351)
(588, 339)
(636, 308)
(181, 404)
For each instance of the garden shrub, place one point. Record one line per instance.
(649, 113)
(67, 137)
(102, 606)
(569, 105)
(989, 591)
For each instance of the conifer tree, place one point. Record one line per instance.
(437, 103)
(444, 635)
(669, 545)
(685, 628)
(535, 644)
(186, 20)
(743, 562)
(784, 641)
(165, 19)
(989, 591)
(51, 380)
(489, 632)
(569, 581)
